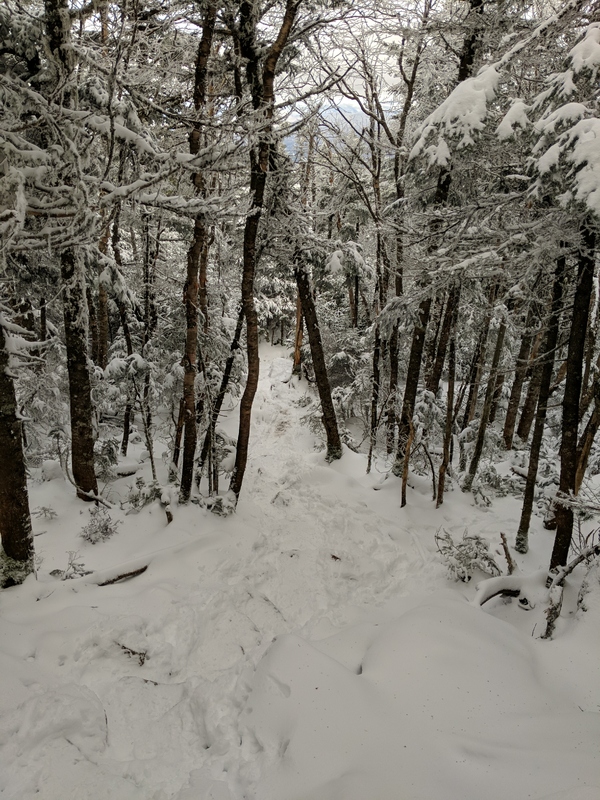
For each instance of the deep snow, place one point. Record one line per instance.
(309, 647)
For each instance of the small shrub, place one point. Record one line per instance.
(100, 527)
(44, 512)
(75, 568)
(106, 457)
(464, 557)
(142, 494)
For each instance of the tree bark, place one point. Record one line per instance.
(570, 406)
(449, 419)
(517, 385)
(531, 400)
(15, 521)
(586, 440)
(80, 401)
(196, 255)
(433, 382)
(412, 383)
(547, 367)
(297, 368)
(334, 444)
(261, 84)
(485, 412)
(216, 409)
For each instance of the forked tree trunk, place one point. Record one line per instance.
(547, 367)
(570, 406)
(485, 412)
(262, 84)
(517, 385)
(196, 255)
(15, 521)
(80, 401)
(412, 384)
(449, 418)
(435, 376)
(531, 401)
(435, 325)
(218, 403)
(334, 444)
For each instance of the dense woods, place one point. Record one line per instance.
(415, 185)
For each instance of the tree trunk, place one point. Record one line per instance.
(15, 521)
(485, 412)
(449, 419)
(196, 255)
(216, 409)
(529, 406)
(547, 367)
(433, 383)
(334, 445)
(437, 313)
(82, 434)
(93, 318)
(517, 385)
(478, 362)
(412, 383)
(263, 98)
(297, 368)
(570, 406)
(584, 446)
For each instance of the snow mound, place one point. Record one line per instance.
(443, 685)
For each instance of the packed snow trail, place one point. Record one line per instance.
(306, 648)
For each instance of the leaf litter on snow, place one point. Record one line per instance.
(309, 647)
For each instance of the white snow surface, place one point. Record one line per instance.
(308, 647)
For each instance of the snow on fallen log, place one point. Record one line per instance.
(522, 586)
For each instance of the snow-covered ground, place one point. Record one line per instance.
(308, 647)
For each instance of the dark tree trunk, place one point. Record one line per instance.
(190, 297)
(485, 412)
(178, 435)
(433, 383)
(412, 383)
(82, 434)
(586, 440)
(437, 313)
(334, 445)
(374, 396)
(496, 396)
(517, 385)
(297, 368)
(478, 362)
(391, 403)
(43, 321)
(547, 367)
(570, 406)
(531, 400)
(216, 409)
(261, 84)
(257, 189)
(93, 318)
(196, 256)
(449, 421)
(15, 521)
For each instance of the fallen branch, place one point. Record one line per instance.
(124, 576)
(509, 559)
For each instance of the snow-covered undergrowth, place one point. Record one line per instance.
(309, 647)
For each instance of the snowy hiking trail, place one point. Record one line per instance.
(308, 647)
